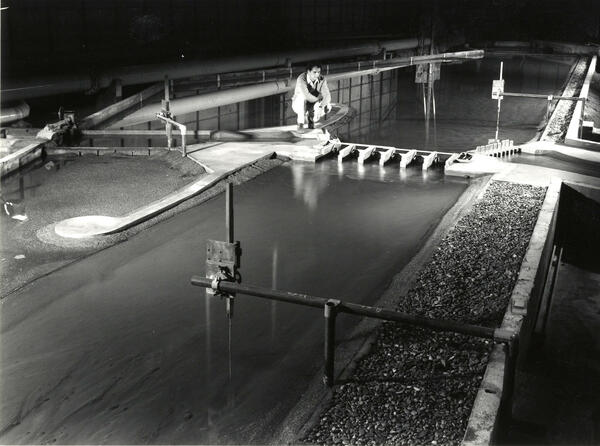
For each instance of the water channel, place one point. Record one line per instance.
(120, 348)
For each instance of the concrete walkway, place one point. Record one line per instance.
(484, 164)
(16, 152)
(545, 147)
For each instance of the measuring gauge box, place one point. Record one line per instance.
(222, 260)
(497, 88)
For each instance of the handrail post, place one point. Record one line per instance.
(164, 115)
(183, 130)
(166, 112)
(330, 313)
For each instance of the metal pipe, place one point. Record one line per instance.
(140, 74)
(12, 114)
(206, 101)
(220, 98)
(330, 313)
(359, 310)
(541, 96)
(182, 129)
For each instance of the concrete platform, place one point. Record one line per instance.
(16, 152)
(479, 165)
(219, 160)
(545, 147)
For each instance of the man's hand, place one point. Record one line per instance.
(327, 108)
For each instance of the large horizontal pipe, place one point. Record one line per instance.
(358, 310)
(541, 96)
(139, 74)
(220, 98)
(12, 114)
(231, 96)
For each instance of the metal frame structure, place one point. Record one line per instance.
(224, 282)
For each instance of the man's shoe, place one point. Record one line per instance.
(300, 127)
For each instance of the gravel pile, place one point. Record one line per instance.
(416, 386)
(559, 123)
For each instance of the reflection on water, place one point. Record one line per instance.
(310, 181)
(308, 187)
(129, 312)
(465, 114)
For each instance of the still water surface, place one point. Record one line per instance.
(466, 114)
(120, 348)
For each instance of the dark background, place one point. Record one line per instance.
(59, 36)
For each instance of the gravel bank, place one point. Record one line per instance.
(418, 387)
(559, 123)
(45, 252)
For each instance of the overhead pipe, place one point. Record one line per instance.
(13, 89)
(221, 98)
(12, 114)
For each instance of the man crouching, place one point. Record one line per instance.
(311, 97)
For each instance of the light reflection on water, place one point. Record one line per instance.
(332, 229)
(465, 113)
(325, 229)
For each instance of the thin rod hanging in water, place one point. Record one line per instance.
(330, 313)
(499, 102)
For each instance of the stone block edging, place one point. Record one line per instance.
(491, 396)
(572, 137)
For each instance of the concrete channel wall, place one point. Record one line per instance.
(573, 137)
(494, 398)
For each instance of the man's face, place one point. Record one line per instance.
(314, 74)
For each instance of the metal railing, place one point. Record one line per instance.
(182, 129)
(333, 307)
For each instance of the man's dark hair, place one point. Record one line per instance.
(311, 65)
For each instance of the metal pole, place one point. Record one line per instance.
(229, 211)
(357, 309)
(511, 351)
(330, 314)
(499, 102)
(167, 114)
(541, 96)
